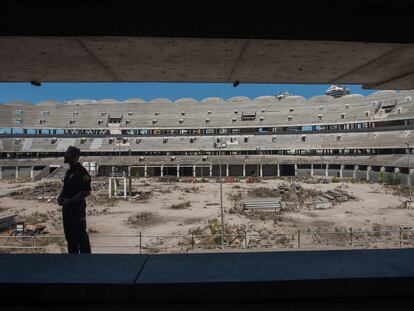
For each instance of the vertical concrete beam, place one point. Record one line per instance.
(1, 172)
(227, 170)
(356, 167)
(327, 170)
(194, 170)
(178, 170)
(211, 170)
(31, 172)
(261, 170)
(17, 172)
(125, 187)
(311, 172)
(162, 171)
(278, 170)
(244, 170)
(409, 176)
(145, 170)
(110, 188)
(296, 169)
(369, 168)
(341, 171)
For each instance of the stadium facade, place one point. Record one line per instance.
(351, 136)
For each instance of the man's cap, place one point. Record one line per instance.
(73, 150)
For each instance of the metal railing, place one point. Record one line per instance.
(140, 243)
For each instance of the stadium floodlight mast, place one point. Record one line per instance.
(408, 175)
(220, 146)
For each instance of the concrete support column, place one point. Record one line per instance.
(110, 188)
(278, 170)
(261, 170)
(145, 170)
(178, 170)
(227, 170)
(162, 170)
(31, 172)
(17, 172)
(409, 176)
(369, 168)
(211, 170)
(327, 170)
(341, 171)
(194, 170)
(244, 170)
(1, 172)
(311, 172)
(125, 187)
(356, 167)
(296, 169)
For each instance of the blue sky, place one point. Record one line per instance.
(148, 91)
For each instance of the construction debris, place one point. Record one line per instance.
(263, 204)
(7, 222)
(321, 202)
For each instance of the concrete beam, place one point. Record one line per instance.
(149, 59)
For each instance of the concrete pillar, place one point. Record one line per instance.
(178, 170)
(410, 172)
(244, 170)
(1, 172)
(145, 170)
(17, 172)
(327, 170)
(31, 172)
(125, 187)
(162, 170)
(227, 170)
(369, 168)
(311, 172)
(356, 167)
(194, 170)
(278, 170)
(296, 169)
(261, 170)
(211, 170)
(110, 187)
(341, 171)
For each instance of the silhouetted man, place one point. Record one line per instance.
(76, 187)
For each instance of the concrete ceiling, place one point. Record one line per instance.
(204, 41)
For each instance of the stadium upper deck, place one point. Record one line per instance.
(135, 116)
(374, 132)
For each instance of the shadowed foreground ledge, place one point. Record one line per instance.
(267, 277)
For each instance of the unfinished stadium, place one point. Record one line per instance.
(351, 136)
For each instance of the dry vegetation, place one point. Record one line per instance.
(192, 210)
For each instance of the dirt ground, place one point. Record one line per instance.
(187, 211)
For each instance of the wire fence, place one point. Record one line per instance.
(140, 243)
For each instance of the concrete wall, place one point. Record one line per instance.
(236, 170)
(269, 170)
